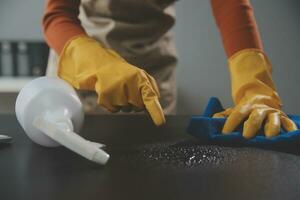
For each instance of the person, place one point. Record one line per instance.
(123, 50)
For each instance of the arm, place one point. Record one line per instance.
(253, 90)
(237, 25)
(85, 64)
(61, 23)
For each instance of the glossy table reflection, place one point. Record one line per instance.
(146, 163)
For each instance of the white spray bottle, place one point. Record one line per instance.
(51, 115)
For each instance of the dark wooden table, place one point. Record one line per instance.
(146, 163)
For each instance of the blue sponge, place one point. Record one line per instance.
(209, 129)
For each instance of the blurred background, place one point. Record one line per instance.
(202, 69)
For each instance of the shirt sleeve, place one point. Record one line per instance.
(61, 23)
(237, 25)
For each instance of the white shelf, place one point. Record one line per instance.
(13, 84)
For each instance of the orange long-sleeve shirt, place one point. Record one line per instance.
(234, 19)
(236, 22)
(61, 23)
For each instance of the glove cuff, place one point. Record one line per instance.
(251, 74)
(66, 65)
(81, 58)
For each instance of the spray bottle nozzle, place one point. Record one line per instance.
(71, 140)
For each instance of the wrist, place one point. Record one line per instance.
(251, 74)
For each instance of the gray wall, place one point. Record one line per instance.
(202, 70)
(21, 19)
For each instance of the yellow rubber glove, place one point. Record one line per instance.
(86, 65)
(254, 95)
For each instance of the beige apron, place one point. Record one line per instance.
(139, 30)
